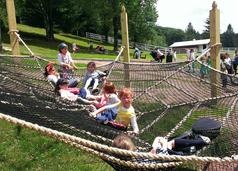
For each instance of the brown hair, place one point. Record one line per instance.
(48, 68)
(109, 87)
(123, 141)
(91, 64)
(125, 92)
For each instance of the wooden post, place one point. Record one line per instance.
(125, 43)
(12, 24)
(215, 46)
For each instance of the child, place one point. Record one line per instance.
(107, 109)
(191, 59)
(75, 48)
(71, 94)
(162, 145)
(65, 61)
(92, 76)
(108, 96)
(125, 111)
(123, 141)
(203, 69)
(224, 70)
(53, 76)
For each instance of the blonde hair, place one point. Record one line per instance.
(123, 141)
(125, 92)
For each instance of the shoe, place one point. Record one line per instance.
(205, 139)
(106, 122)
(95, 91)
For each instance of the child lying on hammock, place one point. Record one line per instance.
(53, 76)
(125, 113)
(73, 94)
(160, 144)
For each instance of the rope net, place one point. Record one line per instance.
(168, 99)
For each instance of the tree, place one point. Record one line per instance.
(191, 33)
(228, 37)
(206, 33)
(43, 9)
(142, 17)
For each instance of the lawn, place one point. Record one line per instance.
(29, 150)
(35, 40)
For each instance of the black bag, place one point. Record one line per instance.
(207, 127)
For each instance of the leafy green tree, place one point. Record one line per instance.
(227, 37)
(3, 13)
(174, 35)
(41, 12)
(142, 17)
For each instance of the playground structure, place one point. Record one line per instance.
(162, 91)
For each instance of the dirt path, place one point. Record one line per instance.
(98, 62)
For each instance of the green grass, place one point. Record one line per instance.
(24, 149)
(35, 39)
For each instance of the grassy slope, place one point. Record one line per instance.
(35, 40)
(28, 150)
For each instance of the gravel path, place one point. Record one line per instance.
(98, 62)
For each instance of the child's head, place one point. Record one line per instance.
(109, 87)
(203, 59)
(91, 66)
(49, 69)
(61, 84)
(125, 95)
(63, 48)
(123, 141)
(222, 56)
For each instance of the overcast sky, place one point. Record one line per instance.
(178, 13)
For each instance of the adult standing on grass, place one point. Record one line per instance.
(66, 62)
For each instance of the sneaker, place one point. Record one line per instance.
(205, 139)
(95, 91)
(106, 122)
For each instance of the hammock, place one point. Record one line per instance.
(168, 101)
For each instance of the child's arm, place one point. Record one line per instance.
(134, 126)
(94, 114)
(73, 65)
(101, 73)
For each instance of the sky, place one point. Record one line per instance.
(178, 13)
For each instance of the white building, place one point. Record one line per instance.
(199, 45)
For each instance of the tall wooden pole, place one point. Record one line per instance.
(12, 24)
(125, 43)
(215, 46)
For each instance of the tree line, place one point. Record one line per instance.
(103, 17)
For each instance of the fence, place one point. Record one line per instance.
(141, 46)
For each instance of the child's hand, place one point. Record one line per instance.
(131, 133)
(93, 114)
